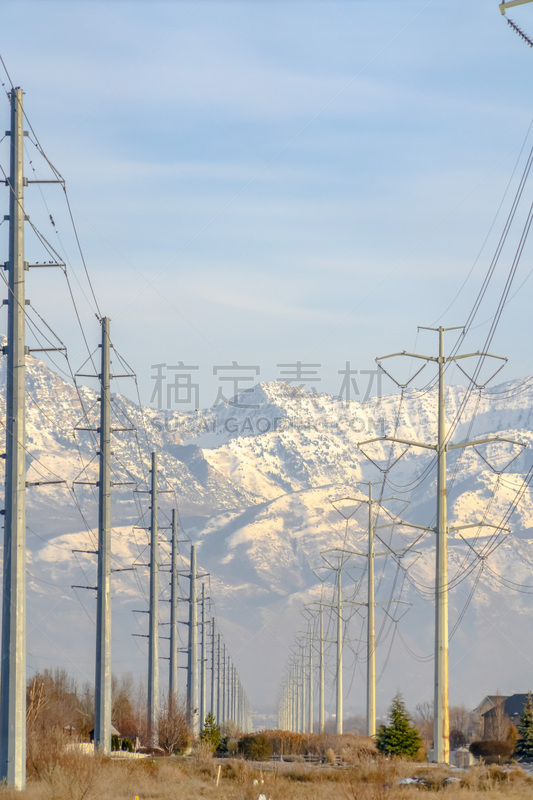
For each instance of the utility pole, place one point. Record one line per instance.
(219, 682)
(342, 556)
(192, 666)
(213, 707)
(371, 627)
(441, 708)
(13, 667)
(371, 606)
(173, 665)
(102, 685)
(321, 674)
(232, 692)
(290, 689)
(153, 634)
(203, 686)
(311, 684)
(301, 728)
(303, 679)
(339, 712)
(296, 696)
(296, 684)
(227, 663)
(224, 690)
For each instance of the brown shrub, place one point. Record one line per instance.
(493, 751)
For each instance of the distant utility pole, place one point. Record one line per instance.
(219, 711)
(311, 682)
(173, 665)
(102, 685)
(297, 694)
(321, 674)
(153, 635)
(371, 630)
(441, 720)
(307, 639)
(213, 707)
(13, 667)
(342, 556)
(303, 685)
(233, 678)
(224, 685)
(290, 694)
(296, 698)
(192, 666)
(203, 683)
(371, 606)
(339, 710)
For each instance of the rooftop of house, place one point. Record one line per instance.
(512, 705)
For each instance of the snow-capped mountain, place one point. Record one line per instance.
(259, 484)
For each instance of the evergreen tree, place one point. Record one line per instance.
(400, 738)
(524, 745)
(211, 732)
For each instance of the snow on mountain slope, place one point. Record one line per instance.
(255, 481)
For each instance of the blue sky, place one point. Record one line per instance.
(268, 182)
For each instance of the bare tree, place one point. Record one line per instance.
(497, 721)
(460, 722)
(173, 728)
(423, 721)
(123, 715)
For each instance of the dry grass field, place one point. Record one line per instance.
(81, 777)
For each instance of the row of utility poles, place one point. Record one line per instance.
(296, 697)
(228, 699)
(296, 708)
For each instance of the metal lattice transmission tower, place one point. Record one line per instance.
(13, 654)
(442, 446)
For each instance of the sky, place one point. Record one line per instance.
(266, 183)
(274, 182)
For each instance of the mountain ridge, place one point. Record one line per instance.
(259, 505)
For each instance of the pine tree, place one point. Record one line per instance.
(211, 732)
(400, 738)
(524, 745)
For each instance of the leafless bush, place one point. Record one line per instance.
(76, 776)
(45, 736)
(173, 729)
